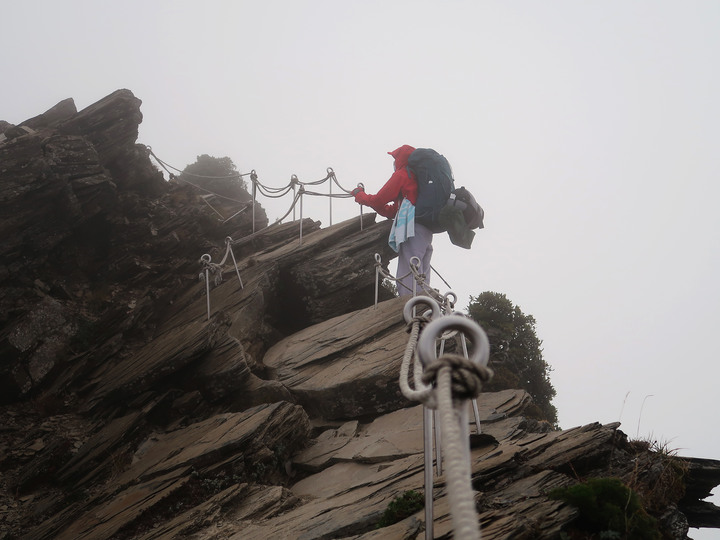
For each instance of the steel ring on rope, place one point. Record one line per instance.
(361, 185)
(424, 300)
(206, 258)
(448, 295)
(228, 240)
(378, 259)
(330, 171)
(436, 328)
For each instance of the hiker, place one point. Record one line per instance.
(396, 200)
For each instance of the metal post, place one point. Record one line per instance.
(207, 290)
(438, 430)
(361, 185)
(205, 260)
(377, 278)
(427, 436)
(253, 179)
(294, 182)
(330, 194)
(476, 412)
(301, 191)
(464, 422)
(417, 266)
(237, 270)
(438, 444)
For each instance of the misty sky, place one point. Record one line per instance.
(589, 131)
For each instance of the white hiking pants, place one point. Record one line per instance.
(419, 246)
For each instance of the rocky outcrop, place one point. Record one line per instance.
(135, 407)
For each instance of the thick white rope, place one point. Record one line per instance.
(458, 475)
(445, 384)
(424, 393)
(457, 379)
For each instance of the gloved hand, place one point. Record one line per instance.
(359, 194)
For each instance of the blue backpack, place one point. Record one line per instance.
(435, 185)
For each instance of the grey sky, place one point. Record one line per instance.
(588, 130)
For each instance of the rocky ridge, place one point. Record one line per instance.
(127, 413)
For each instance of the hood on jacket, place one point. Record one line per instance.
(401, 155)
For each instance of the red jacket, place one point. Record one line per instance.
(400, 185)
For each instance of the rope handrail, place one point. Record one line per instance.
(265, 190)
(167, 165)
(420, 280)
(444, 384)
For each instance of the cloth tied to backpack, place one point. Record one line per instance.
(453, 220)
(403, 226)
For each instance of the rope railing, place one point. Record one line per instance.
(295, 186)
(273, 192)
(216, 269)
(445, 383)
(298, 189)
(419, 280)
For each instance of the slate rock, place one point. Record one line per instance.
(348, 366)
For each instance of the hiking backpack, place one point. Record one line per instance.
(441, 207)
(435, 184)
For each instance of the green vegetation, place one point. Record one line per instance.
(219, 175)
(402, 507)
(515, 352)
(659, 474)
(609, 509)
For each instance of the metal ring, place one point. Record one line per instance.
(330, 170)
(454, 296)
(425, 300)
(378, 259)
(206, 258)
(361, 185)
(228, 239)
(436, 328)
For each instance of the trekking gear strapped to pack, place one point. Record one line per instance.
(472, 211)
(440, 207)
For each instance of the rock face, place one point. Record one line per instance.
(133, 408)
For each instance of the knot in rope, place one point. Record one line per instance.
(466, 376)
(420, 320)
(211, 267)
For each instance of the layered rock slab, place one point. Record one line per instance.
(162, 465)
(348, 366)
(349, 497)
(400, 433)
